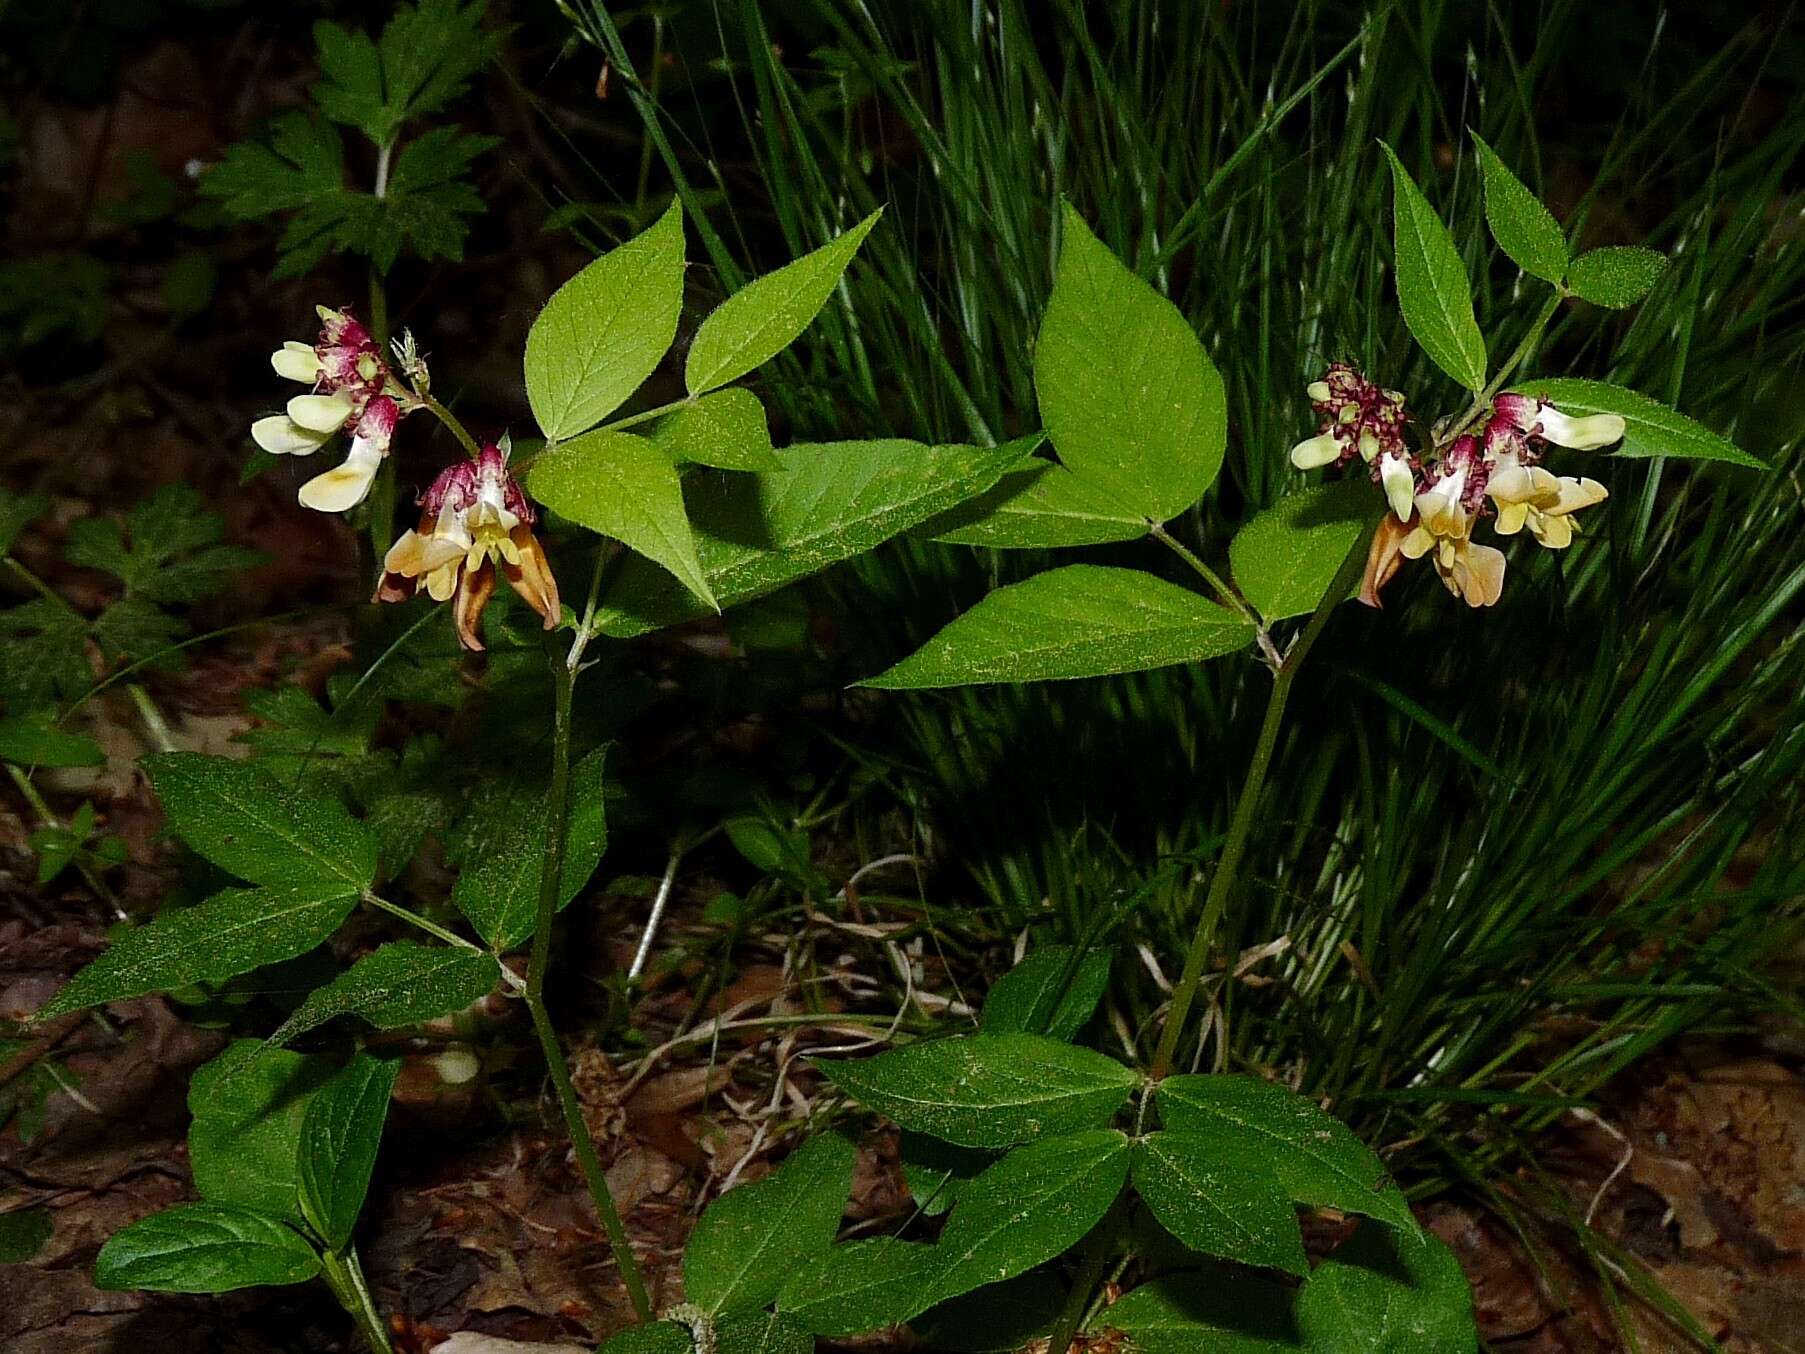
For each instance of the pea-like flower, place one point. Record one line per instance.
(1355, 417)
(353, 391)
(1447, 507)
(475, 520)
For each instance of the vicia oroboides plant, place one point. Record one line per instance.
(1061, 1173)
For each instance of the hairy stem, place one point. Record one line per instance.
(1228, 867)
(1092, 1261)
(550, 874)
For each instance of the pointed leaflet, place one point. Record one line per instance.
(248, 1106)
(604, 331)
(339, 1136)
(1285, 559)
(752, 1239)
(1130, 398)
(246, 822)
(400, 984)
(501, 849)
(1318, 1159)
(999, 1318)
(204, 1248)
(1042, 505)
(1433, 291)
(1522, 226)
(726, 429)
(757, 1332)
(34, 740)
(860, 1286)
(988, 1090)
(1616, 277)
(829, 502)
(1029, 1207)
(1221, 1197)
(761, 319)
(1650, 427)
(1052, 992)
(1386, 1289)
(1084, 620)
(1214, 1312)
(230, 933)
(623, 486)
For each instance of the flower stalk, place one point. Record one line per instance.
(1228, 866)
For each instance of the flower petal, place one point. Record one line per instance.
(296, 362)
(280, 435)
(1480, 572)
(1587, 433)
(344, 488)
(322, 413)
(467, 609)
(1399, 485)
(1574, 494)
(532, 576)
(1315, 452)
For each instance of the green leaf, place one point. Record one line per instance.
(1031, 1206)
(726, 429)
(427, 56)
(1433, 291)
(23, 1233)
(1084, 620)
(18, 512)
(999, 1318)
(829, 502)
(1616, 277)
(762, 318)
(621, 485)
(204, 1248)
(246, 822)
(1389, 1290)
(1650, 427)
(657, 1337)
(1524, 228)
(248, 1106)
(604, 331)
(46, 653)
(233, 932)
(1041, 506)
(429, 197)
(339, 1136)
(34, 740)
(862, 1286)
(988, 1090)
(751, 1240)
(1317, 1158)
(1130, 398)
(169, 549)
(935, 1170)
(1038, 997)
(1221, 1197)
(1210, 1313)
(1285, 559)
(502, 845)
(400, 984)
(762, 1333)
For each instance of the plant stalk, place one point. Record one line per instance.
(550, 877)
(1228, 867)
(345, 1277)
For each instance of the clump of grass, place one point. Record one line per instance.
(1503, 855)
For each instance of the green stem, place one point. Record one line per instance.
(153, 718)
(1229, 596)
(1483, 400)
(1228, 868)
(345, 1277)
(451, 421)
(47, 818)
(1091, 1263)
(557, 830)
(432, 928)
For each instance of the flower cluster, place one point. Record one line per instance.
(474, 521)
(353, 391)
(1493, 471)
